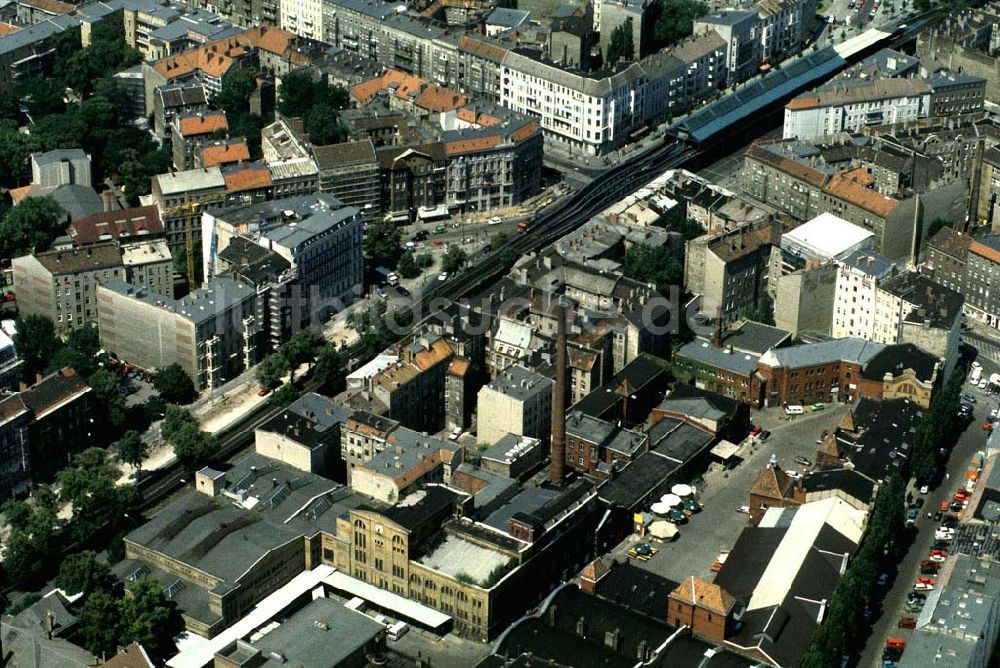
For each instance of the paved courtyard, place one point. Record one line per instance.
(719, 524)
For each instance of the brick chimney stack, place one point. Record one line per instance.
(557, 466)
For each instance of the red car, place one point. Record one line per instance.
(927, 563)
(264, 391)
(961, 495)
(938, 555)
(987, 426)
(756, 429)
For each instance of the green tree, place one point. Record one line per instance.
(329, 371)
(34, 535)
(155, 408)
(620, 46)
(382, 243)
(234, 98)
(295, 94)
(30, 226)
(175, 417)
(653, 264)
(99, 503)
(101, 623)
(73, 358)
(302, 348)
(673, 21)
(36, 342)
(453, 259)
(271, 369)
(174, 385)
(15, 149)
(83, 573)
(498, 239)
(110, 402)
(689, 228)
(407, 266)
(193, 446)
(324, 126)
(150, 619)
(425, 260)
(284, 395)
(133, 450)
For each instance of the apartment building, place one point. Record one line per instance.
(912, 308)
(306, 436)
(350, 172)
(318, 237)
(29, 52)
(849, 105)
(578, 112)
(302, 17)
(955, 93)
(61, 285)
(41, 427)
(190, 130)
(517, 401)
(730, 271)
(946, 258)
(409, 460)
(181, 197)
(213, 333)
(379, 32)
(776, 173)
(982, 280)
(858, 276)
(628, 13)
(176, 99)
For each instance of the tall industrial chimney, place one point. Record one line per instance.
(557, 466)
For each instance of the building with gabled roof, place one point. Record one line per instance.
(703, 606)
(783, 570)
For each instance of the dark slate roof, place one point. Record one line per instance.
(643, 374)
(690, 395)
(850, 482)
(414, 515)
(895, 358)
(756, 338)
(53, 389)
(748, 559)
(637, 589)
(682, 444)
(886, 435)
(628, 486)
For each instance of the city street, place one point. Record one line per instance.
(719, 523)
(885, 624)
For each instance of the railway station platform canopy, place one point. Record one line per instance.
(772, 88)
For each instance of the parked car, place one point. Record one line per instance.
(264, 391)
(421, 235)
(764, 435)
(794, 475)
(455, 433)
(907, 622)
(912, 513)
(755, 429)
(816, 407)
(443, 276)
(803, 461)
(923, 586)
(403, 291)
(916, 596)
(743, 509)
(969, 397)
(924, 489)
(937, 516)
(495, 220)
(883, 580)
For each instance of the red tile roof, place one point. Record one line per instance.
(249, 178)
(225, 153)
(203, 124)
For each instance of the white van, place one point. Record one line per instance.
(794, 410)
(397, 630)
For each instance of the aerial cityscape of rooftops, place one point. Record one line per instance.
(482, 334)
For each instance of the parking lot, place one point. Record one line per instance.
(722, 493)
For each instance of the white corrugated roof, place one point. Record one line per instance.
(201, 654)
(386, 600)
(827, 235)
(799, 538)
(513, 333)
